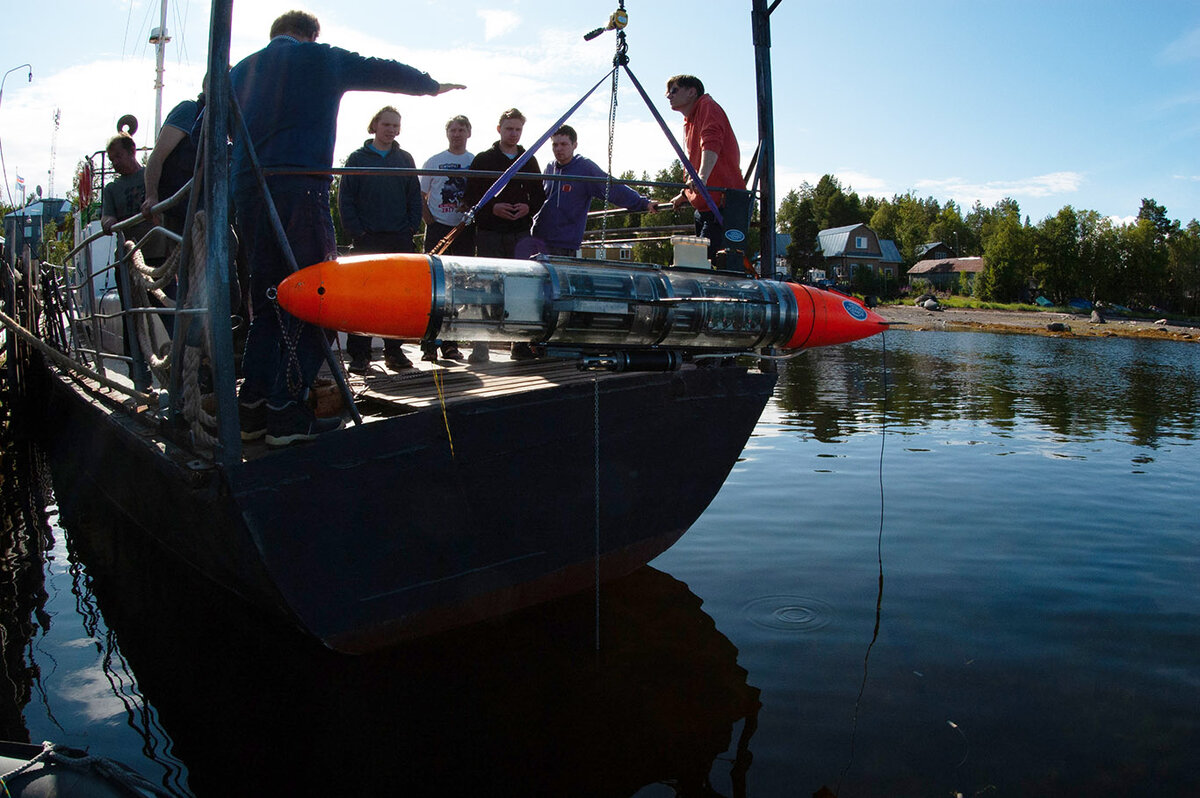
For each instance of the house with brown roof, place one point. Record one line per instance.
(944, 273)
(935, 250)
(847, 249)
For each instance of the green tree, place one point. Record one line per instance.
(1142, 263)
(659, 251)
(983, 221)
(806, 211)
(1008, 255)
(1098, 248)
(58, 241)
(950, 228)
(1183, 269)
(339, 232)
(907, 220)
(1156, 214)
(1056, 252)
(797, 218)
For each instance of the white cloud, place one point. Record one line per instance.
(88, 118)
(1122, 221)
(1185, 48)
(991, 192)
(862, 183)
(496, 23)
(1189, 178)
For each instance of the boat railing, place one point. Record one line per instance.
(87, 312)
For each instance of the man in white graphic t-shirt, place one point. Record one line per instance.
(442, 197)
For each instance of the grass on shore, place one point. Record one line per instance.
(969, 302)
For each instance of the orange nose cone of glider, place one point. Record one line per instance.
(827, 318)
(389, 295)
(301, 293)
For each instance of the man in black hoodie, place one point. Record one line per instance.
(504, 222)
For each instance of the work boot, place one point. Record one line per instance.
(360, 364)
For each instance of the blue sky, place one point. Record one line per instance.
(1054, 102)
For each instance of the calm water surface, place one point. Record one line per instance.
(947, 563)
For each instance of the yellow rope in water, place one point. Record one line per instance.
(437, 380)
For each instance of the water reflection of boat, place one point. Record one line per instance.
(522, 705)
(24, 540)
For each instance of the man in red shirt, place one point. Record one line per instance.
(712, 150)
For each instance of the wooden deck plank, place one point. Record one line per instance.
(459, 382)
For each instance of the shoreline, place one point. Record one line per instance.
(1027, 322)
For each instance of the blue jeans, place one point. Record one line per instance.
(359, 346)
(283, 354)
(708, 227)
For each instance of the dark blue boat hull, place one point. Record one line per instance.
(380, 532)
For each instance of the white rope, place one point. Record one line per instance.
(191, 399)
(157, 354)
(72, 759)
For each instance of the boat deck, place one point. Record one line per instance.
(457, 381)
(384, 393)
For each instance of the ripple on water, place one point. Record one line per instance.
(789, 613)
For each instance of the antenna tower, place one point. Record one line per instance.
(53, 152)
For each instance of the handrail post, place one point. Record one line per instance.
(216, 204)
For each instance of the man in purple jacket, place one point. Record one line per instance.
(560, 223)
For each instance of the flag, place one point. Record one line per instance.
(20, 182)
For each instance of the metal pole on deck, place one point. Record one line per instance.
(760, 22)
(216, 203)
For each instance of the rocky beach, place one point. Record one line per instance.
(1033, 323)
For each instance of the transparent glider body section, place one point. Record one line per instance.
(607, 304)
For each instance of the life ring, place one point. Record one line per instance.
(83, 184)
(128, 121)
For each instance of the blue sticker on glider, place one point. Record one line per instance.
(855, 310)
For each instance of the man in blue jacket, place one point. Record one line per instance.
(289, 93)
(380, 213)
(560, 223)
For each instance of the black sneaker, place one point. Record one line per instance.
(295, 422)
(253, 419)
(359, 365)
(397, 361)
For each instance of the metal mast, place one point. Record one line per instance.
(761, 26)
(53, 152)
(159, 38)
